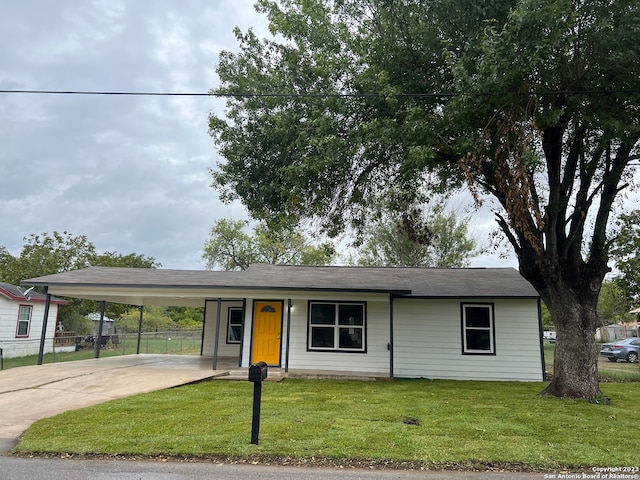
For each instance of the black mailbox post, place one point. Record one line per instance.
(257, 374)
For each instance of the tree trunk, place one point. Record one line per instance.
(575, 364)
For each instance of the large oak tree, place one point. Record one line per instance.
(534, 103)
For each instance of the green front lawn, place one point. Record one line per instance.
(439, 424)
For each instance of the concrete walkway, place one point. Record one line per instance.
(30, 393)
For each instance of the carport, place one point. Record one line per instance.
(142, 287)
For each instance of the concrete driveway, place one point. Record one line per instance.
(30, 393)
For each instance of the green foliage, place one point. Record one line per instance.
(428, 238)
(186, 317)
(546, 317)
(158, 319)
(73, 321)
(626, 254)
(231, 248)
(46, 254)
(613, 303)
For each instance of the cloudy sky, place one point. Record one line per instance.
(130, 173)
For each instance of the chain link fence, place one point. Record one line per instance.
(66, 347)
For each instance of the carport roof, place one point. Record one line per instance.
(399, 281)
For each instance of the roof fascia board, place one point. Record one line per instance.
(139, 294)
(59, 287)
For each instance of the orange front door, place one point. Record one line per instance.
(267, 325)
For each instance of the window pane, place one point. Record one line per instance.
(23, 328)
(235, 334)
(478, 340)
(323, 314)
(351, 314)
(235, 317)
(25, 313)
(477, 316)
(351, 338)
(322, 337)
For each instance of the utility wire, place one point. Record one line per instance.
(309, 95)
(224, 95)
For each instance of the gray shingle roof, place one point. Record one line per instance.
(415, 282)
(15, 293)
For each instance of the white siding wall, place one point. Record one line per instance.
(375, 360)
(224, 349)
(427, 337)
(20, 347)
(428, 341)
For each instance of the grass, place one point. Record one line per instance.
(608, 371)
(461, 424)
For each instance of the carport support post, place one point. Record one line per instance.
(215, 345)
(99, 339)
(139, 329)
(43, 335)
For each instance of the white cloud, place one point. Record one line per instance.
(131, 173)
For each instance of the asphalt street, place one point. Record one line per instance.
(15, 468)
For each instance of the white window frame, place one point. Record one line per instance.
(22, 319)
(490, 329)
(337, 328)
(230, 325)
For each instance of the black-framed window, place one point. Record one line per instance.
(235, 322)
(24, 320)
(337, 326)
(478, 329)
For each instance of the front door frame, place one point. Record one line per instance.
(253, 329)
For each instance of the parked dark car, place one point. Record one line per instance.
(624, 349)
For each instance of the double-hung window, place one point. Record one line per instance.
(337, 326)
(234, 325)
(24, 321)
(478, 329)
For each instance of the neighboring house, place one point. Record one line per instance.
(108, 325)
(21, 320)
(616, 331)
(472, 323)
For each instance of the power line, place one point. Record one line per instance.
(223, 95)
(96, 92)
(313, 95)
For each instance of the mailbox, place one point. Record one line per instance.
(257, 372)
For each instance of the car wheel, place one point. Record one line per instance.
(632, 357)
(612, 359)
